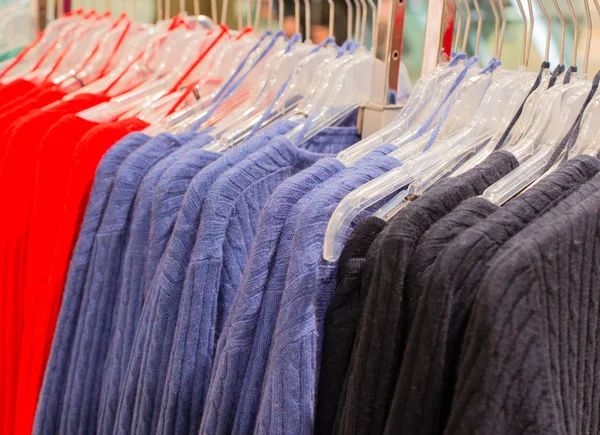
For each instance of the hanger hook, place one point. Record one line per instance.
(331, 16)
(548, 30)
(496, 26)
(197, 8)
(530, 31)
(458, 24)
(588, 40)
(167, 9)
(575, 31)
(563, 30)
(281, 11)
(307, 21)
(374, 27)
(257, 15)
(240, 15)
(159, 10)
(249, 13)
(363, 29)
(502, 29)
(182, 10)
(297, 15)
(270, 17)
(349, 19)
(479, 26)
(467, 27)
(524, 38)
(357, 20)
(223, 13)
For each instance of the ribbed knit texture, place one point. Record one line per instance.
(165, 289)
(258, 359)
(530, 361)
(52, 394)
(422, 399)
(22, 154)
(378, 352)
(132, 286)
(236, 343)
(42, 304)
(342, 321)
(223, 243)
(84, 163)
(95, 325)
(289, 390)
(167, 201)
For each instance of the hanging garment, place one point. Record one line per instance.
(240, 357)
(377, 353)
(51, 402)
(533, 287)
(447, 291)
(226, 233)
(342, 319)
(22, 152)
(95, 319)
(170, 274)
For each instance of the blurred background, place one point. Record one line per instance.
(146, 10)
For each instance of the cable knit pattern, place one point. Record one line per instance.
(377, 355)
(530, 360)
(225, 237)
(132, 288)
(52, 393)
(342, 321)
(288, 397)
(166, 287)
(166, 204)
(258, 359)
(423, 393)
(95, 325)
(238, 336)
(226, 378)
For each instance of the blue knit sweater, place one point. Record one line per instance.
(252, 300)
(223, 244)
(167, 283)
(289, 389)
(50, 402)
(95, 325)
(132, 285)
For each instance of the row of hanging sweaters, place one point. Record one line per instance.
(152, 286)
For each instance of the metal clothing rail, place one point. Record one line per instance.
(388, 49)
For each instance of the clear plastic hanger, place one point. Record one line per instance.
(294, 71)
(173, 66)
(519, 95)
(194, 116)
(206, 79)
(427, 95)
(78, 49)
(588, 139)
(387, 184)
(269, 85)
(493, 115)
(26, 60)
(56, 50)
(538, 147)
(111, 54)
(178, 119)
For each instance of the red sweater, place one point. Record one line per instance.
(18, 169)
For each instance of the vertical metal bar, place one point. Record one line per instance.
(433, 35)
(388, 48)
(39, 9)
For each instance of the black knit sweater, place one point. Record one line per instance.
(425, 384)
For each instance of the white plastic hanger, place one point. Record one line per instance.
(534, 152)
